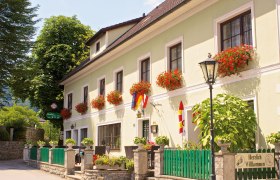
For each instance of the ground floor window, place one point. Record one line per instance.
(84, 133)
(68, 135)
(110, 135)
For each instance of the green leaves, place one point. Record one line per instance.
(234, 120)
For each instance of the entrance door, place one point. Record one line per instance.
(145, 129)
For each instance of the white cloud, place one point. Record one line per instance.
(153, 3)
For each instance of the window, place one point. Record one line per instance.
(84, 134)
(102, 87)
(68, 135)
(119, 81)
(70, 97)
(145, 129)
(236, 31)
(175, 57)
(110, 135)
(97, 48)
(85, 94)
(145, 70)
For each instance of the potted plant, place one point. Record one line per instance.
(106, 162)
(223, 142)
(234, 60)
(29, 143)
(87, 142)
(140, 142)
(98, 103)
(53, 143)
(81, 108)
(114, 97)
(170, 80)
(41, 143)
(142, 87)
(274, 138)
(65, 113)
(162, 141)
(70, 143)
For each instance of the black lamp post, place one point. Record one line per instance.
(209, 68)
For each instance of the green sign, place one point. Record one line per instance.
(53, 115)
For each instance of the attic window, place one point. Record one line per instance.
(97, 47)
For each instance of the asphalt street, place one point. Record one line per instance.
(18, 170)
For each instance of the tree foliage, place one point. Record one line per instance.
(233, 120)
(58, 49)
(18, 117)
(16, 32)
(51, 132)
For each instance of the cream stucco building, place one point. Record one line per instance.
(180, 34)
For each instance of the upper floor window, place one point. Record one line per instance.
(69, 101)
(97, 47)
(85, 94)
(119, 81)
(236, 31)
(145, 70)
(175, 57)
(102, 87)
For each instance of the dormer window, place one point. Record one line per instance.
(97, 47)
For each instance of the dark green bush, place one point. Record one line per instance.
(4, 135)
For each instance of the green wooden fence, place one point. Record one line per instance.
(256, 173)
(194, 164)
(33, 153)
(58, 156)
(44, 154)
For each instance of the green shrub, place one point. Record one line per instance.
(87, 142)
(162, 140)
(139, 140)
(4, 135)
(273, 138)
(70, 140)
(129, 164)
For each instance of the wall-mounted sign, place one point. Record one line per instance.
(53, 106)
(53, 115)
(254, 160)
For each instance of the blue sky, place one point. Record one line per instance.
(94, 13)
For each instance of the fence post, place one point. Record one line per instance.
(69, 161)
(39, 154)
(50, 155)
(140, 163)
(87, 160)
(225, 167)
(159, 162)
(25, 153)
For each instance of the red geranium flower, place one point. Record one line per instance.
(65, 113)
(81, 108)
(142, 87)
(98, 103)
(170, 80)
(114, 97)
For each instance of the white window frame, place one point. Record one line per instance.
(217, 23)
(66, 99)
(79, 134)
(96, 52)
(278, 22)
(139, 60)
(115, 77)
(64, 136)
(168, 45)
(98, 84)
(82, 92)
(109, 123)
(140, 121)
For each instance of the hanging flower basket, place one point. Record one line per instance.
(114, 97)
(170, 80)
(81, 108)
(142, 87)
(65, 113)
(98, 103)
(234, 60)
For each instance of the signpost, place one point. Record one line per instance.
(53, 115)
(254, 160)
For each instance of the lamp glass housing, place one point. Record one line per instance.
(210, 70)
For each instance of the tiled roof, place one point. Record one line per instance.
(165, 8)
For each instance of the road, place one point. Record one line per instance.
(17, 169)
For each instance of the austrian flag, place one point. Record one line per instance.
(181, 118)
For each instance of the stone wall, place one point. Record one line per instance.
(34, 134)
(107, 175)
(11, 150)
(52, 168)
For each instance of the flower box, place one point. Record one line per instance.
(65, 113)
(142, 87)
(113, 167)
(170, 80)
(81, 108)
(234, 60)
(114, 97)
(98, 103)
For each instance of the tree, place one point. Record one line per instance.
(16, 32)
(51, 132)
(59, 48)
(234, 121)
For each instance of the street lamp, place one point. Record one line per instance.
(209, 68)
